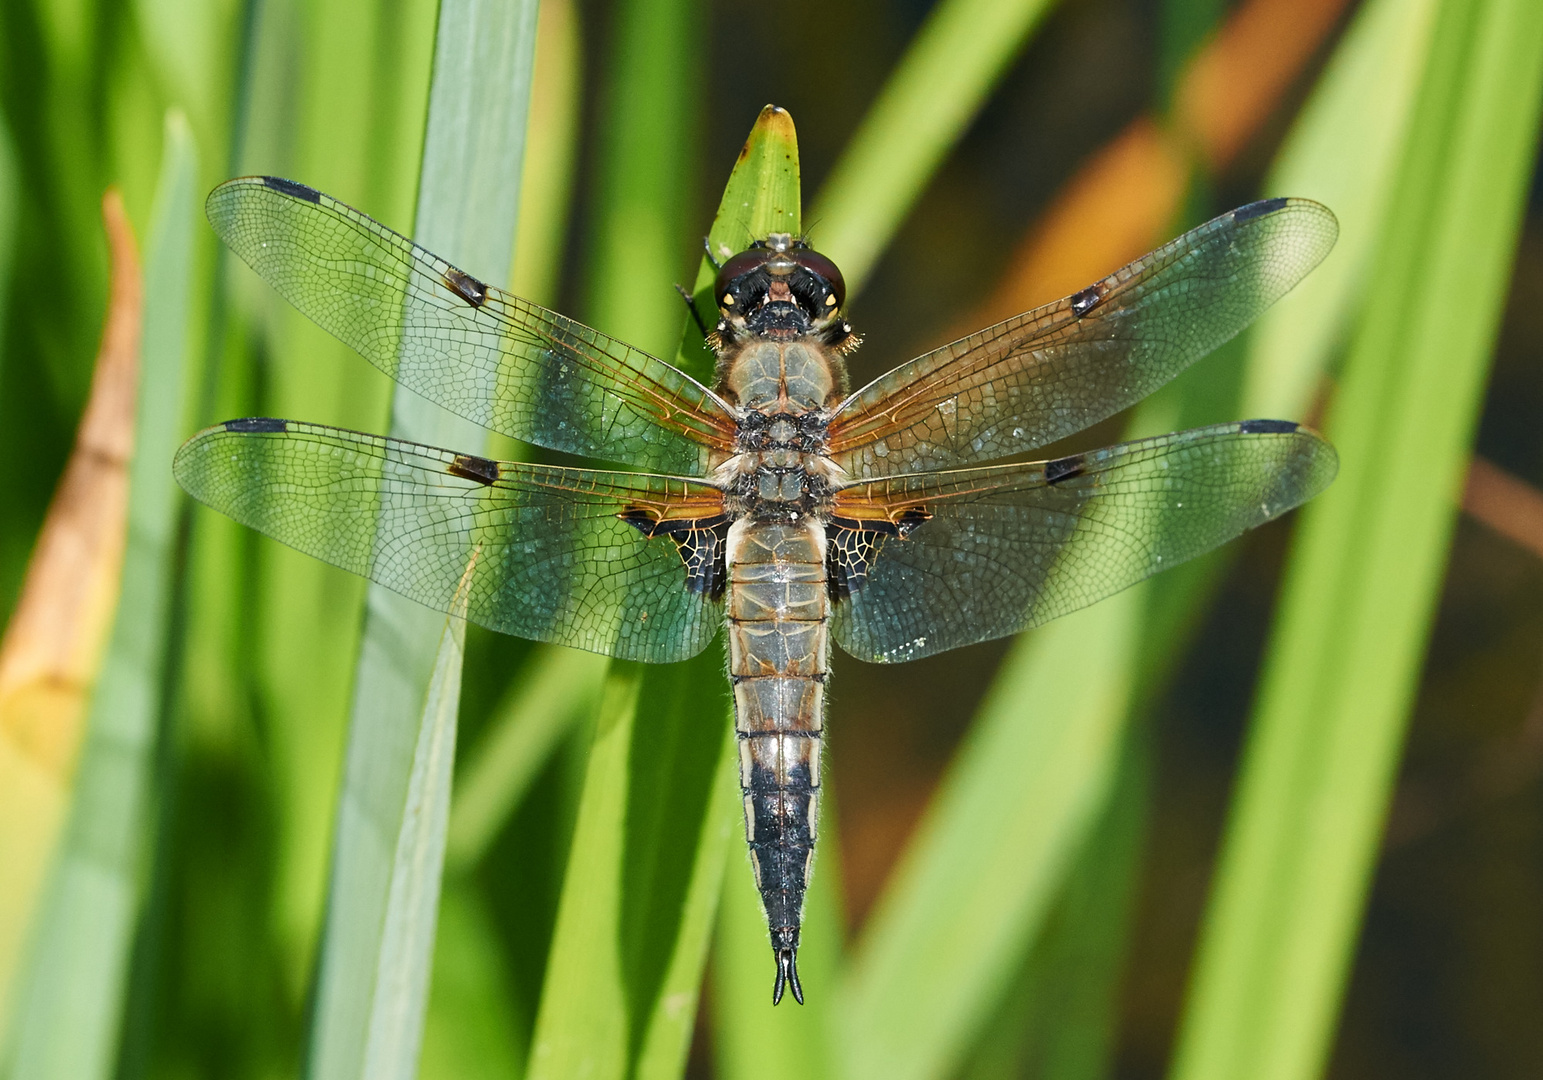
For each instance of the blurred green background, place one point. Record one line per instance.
(1443, 976)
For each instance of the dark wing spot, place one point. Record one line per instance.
(259, 424)
(1086, 300)
(1258, 209)
(471, 467)
(1267, 427)
(292, 189)
(466, 287)
(1065, 468)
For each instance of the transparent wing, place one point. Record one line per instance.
(1050, 373)
(497, 360)
(996, 550)
(551, 559)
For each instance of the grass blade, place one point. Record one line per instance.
(10, 202)
(581, 1029)
(646, 864)
(335, 96)
(961, 910)
(1059, 1023)
(466, 212)
(471, 1033)
(546, 186)
(1327, 151)
(643, 173)
(550, 694)
(1344, 151)
(412, 906)
(1363, 576)
(929, 100)
(69, 1024)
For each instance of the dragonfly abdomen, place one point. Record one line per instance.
(777, 619)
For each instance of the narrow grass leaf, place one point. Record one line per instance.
(551, 693)
(69, 1023)
(1344, 151)
(467, 207)
(763, 196)
(940, 84)
(412, 906)
(646, 125)
(647, 860)
(582, 1025)
(10, 202)
(1362, 579)
(472, 1032)
(1060, 1022)
(962, 909)
(552, 146)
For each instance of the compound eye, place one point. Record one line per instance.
(819, 265)
(737, 267)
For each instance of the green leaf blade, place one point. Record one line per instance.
(660, 798)
(926, 105)
(960, 913)
(1362, 580)
(72, 1004)
(381, 915)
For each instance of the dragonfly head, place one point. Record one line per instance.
(780, 286)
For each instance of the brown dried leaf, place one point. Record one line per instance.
(53, 645)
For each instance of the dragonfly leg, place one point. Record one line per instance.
(691, 307)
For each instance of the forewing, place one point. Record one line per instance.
(998, 550)
(504, 363)
(551, 558)
(1049, 373)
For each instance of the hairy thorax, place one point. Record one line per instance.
(785, 390)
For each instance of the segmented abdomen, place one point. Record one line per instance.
(777, 617)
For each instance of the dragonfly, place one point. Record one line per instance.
(776, 505)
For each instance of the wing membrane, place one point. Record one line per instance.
(1001, 549)
(550, 557)
(504, 363)
(1050, 373)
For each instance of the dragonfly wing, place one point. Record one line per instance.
(555, 554)
(991, 551)
(504, 363)
(1051, 372)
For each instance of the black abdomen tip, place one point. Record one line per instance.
(787, 975)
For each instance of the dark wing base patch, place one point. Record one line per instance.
(701, 542)
(851, 546)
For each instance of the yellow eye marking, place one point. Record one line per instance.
(830, 299)
(728, 299)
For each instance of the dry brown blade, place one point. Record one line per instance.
(53, 645)
(1506, 503)
(1119, 205)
